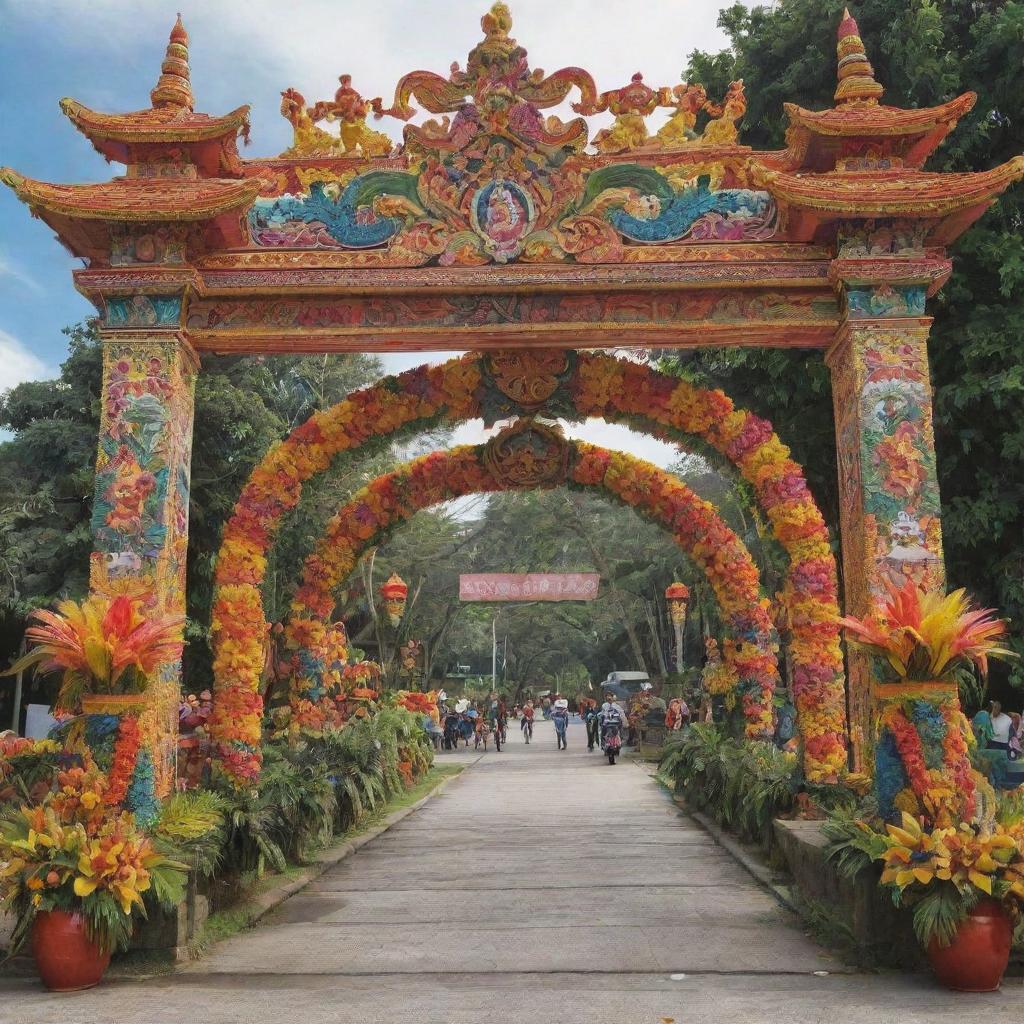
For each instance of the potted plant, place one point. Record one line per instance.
(935, 833)
(965, 884)
(107, 651)
(76, 870)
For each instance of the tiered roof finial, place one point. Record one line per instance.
(856, 76)
(174, 89)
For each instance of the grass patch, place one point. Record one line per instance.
(225, 924)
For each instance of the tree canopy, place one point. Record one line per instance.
(924, 53)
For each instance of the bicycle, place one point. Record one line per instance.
(527, 726)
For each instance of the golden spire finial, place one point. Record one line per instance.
(497, 22)
(856, 76)
(174, 89)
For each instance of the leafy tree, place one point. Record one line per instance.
(243, 405)
(924, 53)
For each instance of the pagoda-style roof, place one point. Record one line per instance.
(114, 134)
(82, 215)
(910, 194)
(146, 136)
(136, 199)
(815, 137)
(859, 128)
(904, 194)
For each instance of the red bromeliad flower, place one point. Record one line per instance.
(101, 645)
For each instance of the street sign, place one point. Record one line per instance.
(529, 586)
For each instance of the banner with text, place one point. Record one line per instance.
(529, 586)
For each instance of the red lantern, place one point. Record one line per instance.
(394, 592)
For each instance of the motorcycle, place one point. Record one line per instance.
(611, 740)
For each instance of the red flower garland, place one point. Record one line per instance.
(126, 751)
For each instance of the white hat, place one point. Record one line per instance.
(461, 706)
(561, 703)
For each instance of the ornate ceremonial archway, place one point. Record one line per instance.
(502, 227)
(526, 455)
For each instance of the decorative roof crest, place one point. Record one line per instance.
(174, 88)
(856, 76)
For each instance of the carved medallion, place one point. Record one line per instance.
(527, 454)
(502, 214)
(528, 377)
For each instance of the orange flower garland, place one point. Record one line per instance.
(694, 523)
(602, 386)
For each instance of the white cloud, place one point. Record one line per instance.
(18, 364)
(247, 51)
(10, 269)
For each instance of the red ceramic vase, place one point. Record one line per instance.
(976, 958)
(68, 960)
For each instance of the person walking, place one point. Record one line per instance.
(592, 720)
(560, 716)
(526, 723)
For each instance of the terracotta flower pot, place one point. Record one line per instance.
(976, 958)
(67, 959)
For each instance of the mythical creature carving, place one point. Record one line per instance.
(349, 109)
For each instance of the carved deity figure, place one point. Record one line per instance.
(630, 105)
(722, 130)
(689, 101)
(351, 110)
(307, 138)
(348, 108)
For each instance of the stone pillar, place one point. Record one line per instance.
(888, 489)
(140, 513)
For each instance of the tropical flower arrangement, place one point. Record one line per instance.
(920, 641)
(600, 386)
(922, 636)
(943, 871)
(27, 767)
(101, 646)
(107, 650)
(941, 846)
(77, 852)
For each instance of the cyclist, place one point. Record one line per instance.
(526, 723)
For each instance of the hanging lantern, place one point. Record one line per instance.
(394, 592)
(677, 595)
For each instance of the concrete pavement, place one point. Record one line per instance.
(539, 886)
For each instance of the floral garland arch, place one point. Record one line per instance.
(750, 652)
(500, 385)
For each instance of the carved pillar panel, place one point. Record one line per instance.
(889, 493)
(140, 512)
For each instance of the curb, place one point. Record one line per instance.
(758, 871)
(257, 907)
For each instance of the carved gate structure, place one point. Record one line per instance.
(501, 229)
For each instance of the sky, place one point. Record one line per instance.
(107, 54)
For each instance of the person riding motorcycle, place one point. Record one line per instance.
(611, 714)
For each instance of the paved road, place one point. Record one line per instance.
(541, 886)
